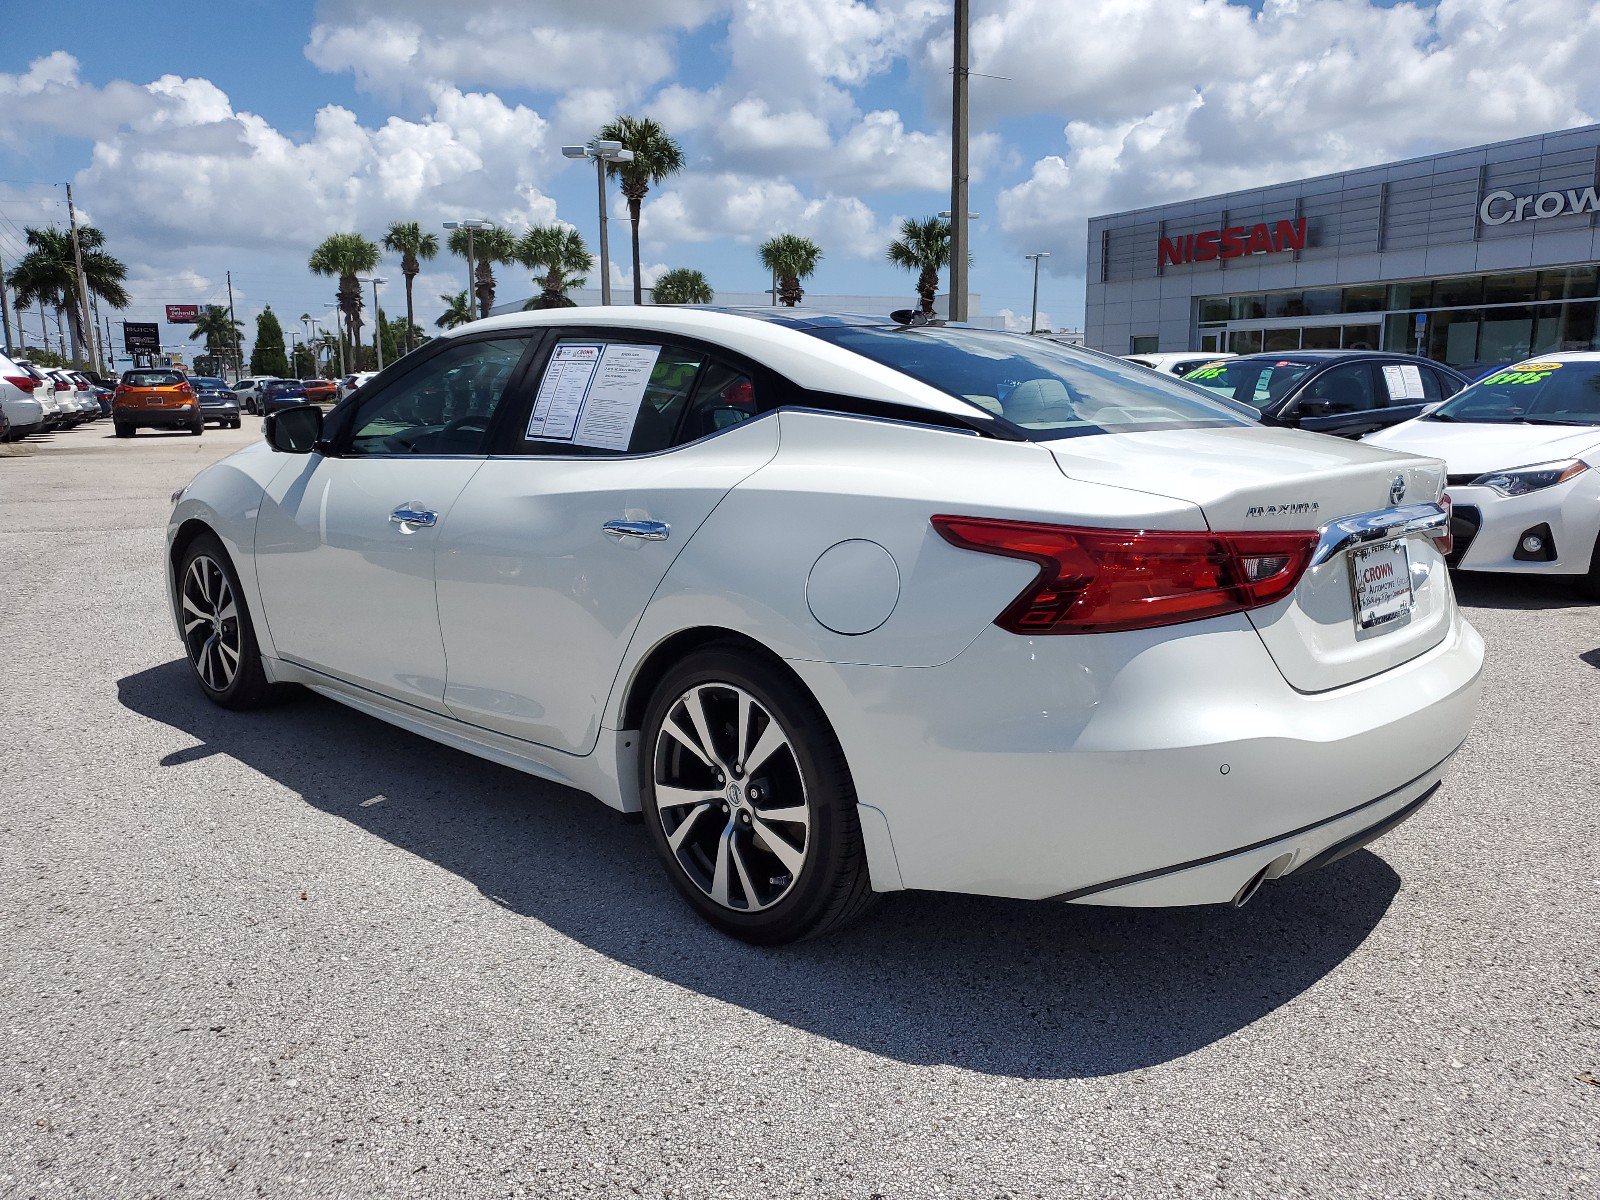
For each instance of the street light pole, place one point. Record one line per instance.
(377, 317)
(340, 342)
(958, 167)
(1033, 323)
(469, 226)
(602, 152)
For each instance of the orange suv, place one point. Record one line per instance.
(155, 397)
(320, 391)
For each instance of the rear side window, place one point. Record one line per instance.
(612, 397)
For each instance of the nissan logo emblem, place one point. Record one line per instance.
(1397, 489)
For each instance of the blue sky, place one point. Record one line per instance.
(234, 139)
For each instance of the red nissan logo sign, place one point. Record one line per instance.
(1233, 242)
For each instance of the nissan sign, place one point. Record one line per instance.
(1500, 208)
(182, 314)
(1234, 242)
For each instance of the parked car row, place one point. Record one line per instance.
(37, 399)
(253, 390)
(1521, 443)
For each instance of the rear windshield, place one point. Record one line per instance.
(1260, 382)
(1048, 389)
(207, 381)
(290, 388)
(151, 379)
(1530, 393)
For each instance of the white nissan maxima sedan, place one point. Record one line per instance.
(844, 606)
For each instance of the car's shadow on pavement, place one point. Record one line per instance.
(1003, 987)
(1478, 589)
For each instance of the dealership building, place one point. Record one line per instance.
(1484, 255)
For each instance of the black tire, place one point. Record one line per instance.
(123, 430)
(248, 686)
(831, 887)
(198, 428)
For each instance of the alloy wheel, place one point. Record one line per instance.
(731, 798)
(211, 623)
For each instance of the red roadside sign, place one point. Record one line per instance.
(182, 314)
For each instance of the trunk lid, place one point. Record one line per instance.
(1274, 479)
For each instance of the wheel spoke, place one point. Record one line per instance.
(232, 656)
(205, 659)
(750, 897)
(190, 606)
(668, 796)
(681, 833)
(741, 740)
(229, 610)
(190, 626)
(686, 739)
(791, 858)
(719, 876)
(797, 814)
(695, 703)
(770, 742)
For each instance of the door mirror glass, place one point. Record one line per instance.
(293, 430)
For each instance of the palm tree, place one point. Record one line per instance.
(457, 311)
(221, 333)
(923, 246)
(47, 276)
(791, 258)
(346, 255)
(559, 251)
(487, 247)
(683, 285)
(656, 155)
(406, 239)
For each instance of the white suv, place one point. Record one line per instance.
(24, 411)
(249, 392)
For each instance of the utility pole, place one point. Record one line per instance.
(233, 328)
(958, 168)
(111, 348)
(81, 317)
(100, 350)
(5, 312)
(1033, 323)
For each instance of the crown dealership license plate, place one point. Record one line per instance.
(1380, 580)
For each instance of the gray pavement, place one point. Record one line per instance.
(299, 953)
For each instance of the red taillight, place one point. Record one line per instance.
(1106, 580)
(26, 382)
(185, 389)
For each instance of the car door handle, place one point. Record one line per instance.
(645, 531)
(424, 518)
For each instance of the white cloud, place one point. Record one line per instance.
(707, 208)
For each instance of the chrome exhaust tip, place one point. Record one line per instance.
(1252, 885)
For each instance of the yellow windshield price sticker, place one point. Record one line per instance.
(1522, 373)
(1537, 366)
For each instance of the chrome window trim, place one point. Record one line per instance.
(1338, 536)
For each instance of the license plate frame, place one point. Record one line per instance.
(1380, 583)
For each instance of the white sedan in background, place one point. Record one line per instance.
(845, 606)
(1176, 362)
(1522, 447)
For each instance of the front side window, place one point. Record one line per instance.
(443, 406)
(1530, 393)
(1047, 388)
(1343, 389)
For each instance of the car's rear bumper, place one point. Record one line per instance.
(1158, 767)
(169, 418)
(219, 412)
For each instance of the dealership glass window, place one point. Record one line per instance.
(1368, 298)
(1514, 287)
(1458, 292)
(1247, 308)
(1320, 302)
(1399, 332)
(1360, 337)
(1452, 337)
(1144, 344)
(1320, 337)
(1210, 342)
(1411, 295)
(1214, 309)
(1505, 335)
(1578, 326)
(1277, 341)
(1245, 341)
(1575, 283)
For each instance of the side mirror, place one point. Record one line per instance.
(293, 430)
(1315, 408)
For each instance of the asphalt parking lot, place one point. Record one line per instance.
(299, 953)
